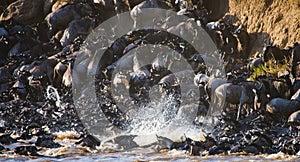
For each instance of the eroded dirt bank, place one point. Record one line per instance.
(277, 21)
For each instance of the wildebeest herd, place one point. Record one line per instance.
(40, 40)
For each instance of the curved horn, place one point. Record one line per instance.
(259, 85)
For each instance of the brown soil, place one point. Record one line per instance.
(276, 21)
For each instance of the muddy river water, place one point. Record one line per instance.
(148, 155)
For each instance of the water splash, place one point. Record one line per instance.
(154, 116)
(162, 117)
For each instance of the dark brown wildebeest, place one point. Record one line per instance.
(279, 87)
(255, 63)
(58, 73)
(243, 39)
(44, 68)
(79, 27)
(296, 60)
(60, 19)
(284, 107)
(136, 11)
(296, 85)
(272, 51)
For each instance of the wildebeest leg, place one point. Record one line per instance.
(239, 111)
(249, 109)
(219, 100)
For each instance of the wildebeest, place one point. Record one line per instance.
(139, 80)
(60, 19)
(279, 87)
(67, 77)
(294, 118)
(197, 63)
(44, 68)
(212, 84)
(201, 79)
(296, 86)
(80, 27)
(58, 73)
(255, 63)
(6, 75)
(170, 84)
(243, 39)
(136, 13)
(296, 60)
(273, 51)
(283, 107)
(210, 87)
(242, 93)
(20, 88)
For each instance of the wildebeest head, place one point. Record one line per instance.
(84, 9)
(260, 91)
(271, 51)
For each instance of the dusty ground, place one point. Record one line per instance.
(265, 20)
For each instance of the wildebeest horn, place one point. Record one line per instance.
(259, 85)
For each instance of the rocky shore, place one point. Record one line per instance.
(41, 40)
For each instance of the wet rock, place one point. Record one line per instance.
(24, 12)
(25, 135)
(263, 141)
(26, 150)
(3, 32)
(236, 148)
(47, 141)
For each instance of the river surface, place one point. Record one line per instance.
(147, 155)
